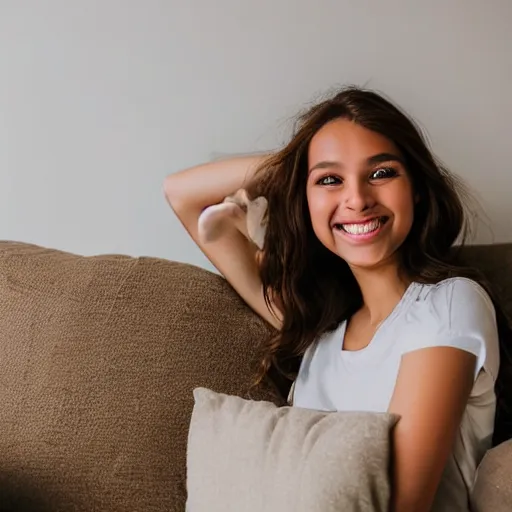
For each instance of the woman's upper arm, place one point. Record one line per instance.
(457, 338)
(430, 396)
(235, 257)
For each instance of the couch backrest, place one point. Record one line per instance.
(98, 360)
(495, 261)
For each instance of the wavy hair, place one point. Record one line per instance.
(315, 289)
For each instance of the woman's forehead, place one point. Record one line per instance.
(347, 142)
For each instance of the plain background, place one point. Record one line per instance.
(101, 99)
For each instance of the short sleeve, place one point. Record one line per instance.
(457, 313)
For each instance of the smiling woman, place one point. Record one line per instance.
(359, 275)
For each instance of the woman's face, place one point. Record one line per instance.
(360, 196)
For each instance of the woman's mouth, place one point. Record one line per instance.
(362, 231)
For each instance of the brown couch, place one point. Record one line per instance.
(98, 359)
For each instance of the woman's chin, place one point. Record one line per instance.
(366, 258)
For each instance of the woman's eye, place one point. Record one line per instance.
(383, 172)
(329, 180)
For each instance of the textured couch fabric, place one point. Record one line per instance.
(98, 359)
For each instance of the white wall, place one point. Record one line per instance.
(100, 99)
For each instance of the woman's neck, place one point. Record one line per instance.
(382, 289)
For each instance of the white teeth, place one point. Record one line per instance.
(361, 229)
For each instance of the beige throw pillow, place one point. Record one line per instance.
(251, 456)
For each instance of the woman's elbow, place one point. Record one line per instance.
(171, 191)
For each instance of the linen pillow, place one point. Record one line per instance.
(492, 491)
(251, 456)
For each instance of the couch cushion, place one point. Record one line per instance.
(98, 359)
(493, 485)
(251, 456)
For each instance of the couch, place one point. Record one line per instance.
(98, 359)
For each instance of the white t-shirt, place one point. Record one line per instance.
(456, 312)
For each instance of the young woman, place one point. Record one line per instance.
(359, 277)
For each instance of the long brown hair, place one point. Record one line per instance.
(315, 289)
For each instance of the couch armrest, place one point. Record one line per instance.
(493, 485)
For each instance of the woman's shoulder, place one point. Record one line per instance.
(454, 307)
(457, 295)
(456, 312)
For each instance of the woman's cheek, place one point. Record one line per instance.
(320, 222)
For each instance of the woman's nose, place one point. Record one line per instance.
(358, 197)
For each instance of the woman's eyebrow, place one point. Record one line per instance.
(384, 157)
(326, 164)
(372, 160)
